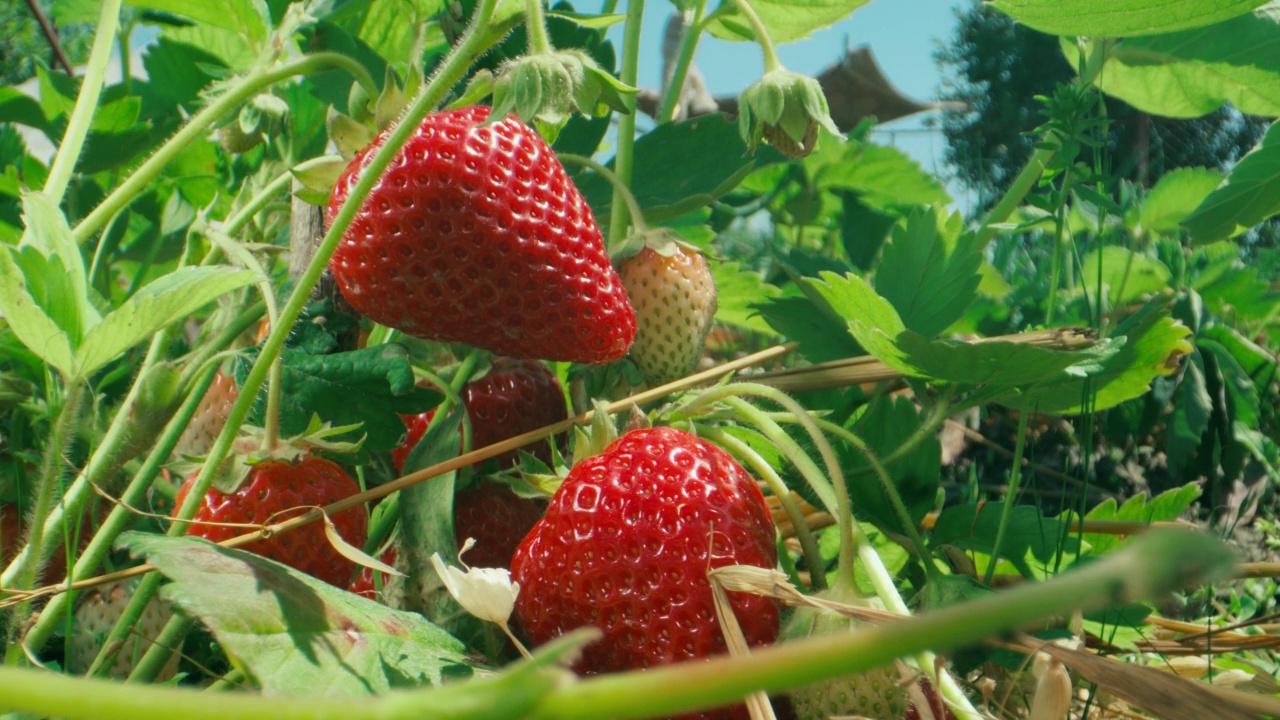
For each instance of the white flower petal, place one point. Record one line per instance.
(487, 593)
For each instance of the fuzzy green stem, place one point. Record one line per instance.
(100, 545)
(808, 544)
(26, 566)
(619, 188)
(771, 61)
(86, 103)
(236, 221)
(1015, 479)
(688, 47)
(104, 462)
(625, 157)
(536, 24)
(890, 490)
(144, 176)
(1150, 566)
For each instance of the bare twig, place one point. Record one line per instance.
(51, 35)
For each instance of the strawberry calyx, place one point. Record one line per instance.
(250, 448)
(544, 89)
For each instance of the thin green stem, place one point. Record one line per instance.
(624, 159)
(536, 24)
(86, 103)
(688, 48)
(771, 61)
(27, 565)
(161, 650)
(1059, 240)
(96, 551)
(890, 490)
(142, 178)
(619, 188)
(808, 543)
(236, 222)
(1015, 479)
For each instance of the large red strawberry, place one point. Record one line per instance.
(674, 297)
(626, 544)
(514, 397)
(477, 235)
(275, 485)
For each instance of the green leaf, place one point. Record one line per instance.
(737, 291)
(1174, 196)
(1192, 408)
(371, 387)
(1126, 275)
(882, 176)
(786, 20)
(1165, 507)
(821, 333)
(48, 232)
(595, 22)
(1243, 404)
(885, 425)
(680, 167)
(176, 74)
(18, 107)
(1032, 542)
(293, 634)
(929, 271)
(1192, 73)
(28, 321)
(166, 300)
(878, 328)
(1250, 195)
(247, 18)
(1121, 18)
(1152, 344)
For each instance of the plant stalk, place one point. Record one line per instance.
(86, 103)
(688, 48)
(625, 157)
(758, 28)
(536, 23)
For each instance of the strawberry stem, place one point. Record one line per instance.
(808, 544)
(535, 23)
(771, 61)
(688, 46)
(64, 162)
(1011, 495)
(142, 178)
(620, 188)
(622, 161)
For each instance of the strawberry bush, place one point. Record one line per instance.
(741, 415)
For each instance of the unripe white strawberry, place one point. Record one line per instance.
(674, 298)
(210, 416)
(874, 695)
(97, 612)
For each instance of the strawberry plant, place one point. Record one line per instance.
(776, 426)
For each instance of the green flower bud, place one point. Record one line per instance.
(785, 109)
(544, 90)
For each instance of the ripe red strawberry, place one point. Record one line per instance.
(275, 485)
(364, 585)
(477, 235)
(674, 298)
(516, 396)
(624, 547)
(497, 519)
(96, 614)
(211, 416)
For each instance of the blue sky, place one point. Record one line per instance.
(903, 35)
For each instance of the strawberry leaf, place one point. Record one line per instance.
(371, 387)
(1032, 542)
(929, 271)
(293, 634)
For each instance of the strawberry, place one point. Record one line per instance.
(476, 235)
(96, 614)
(674, 298)
(514, 397)
(211, 416)
(497, 519)
(364, 585)
(875, 695)
(626, 545)
(275, 485)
